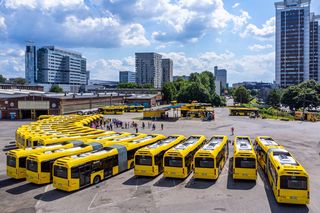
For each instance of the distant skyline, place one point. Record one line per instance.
(196, 34)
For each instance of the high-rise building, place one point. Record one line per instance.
(31, 64)
(221, 75)
(127, 77)
(167, 70)
(296, 43)
(57, 66)
(149, 69)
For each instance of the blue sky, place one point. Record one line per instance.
(197, 34)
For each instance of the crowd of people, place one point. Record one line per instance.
(110, 124)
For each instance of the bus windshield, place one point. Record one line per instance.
(143, 160)
(11, 161)
(60, 172)
(204, 162)
(245, 163)
(32, 165)
(293, 182)
(173, 162)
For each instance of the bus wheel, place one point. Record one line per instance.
(96, 179)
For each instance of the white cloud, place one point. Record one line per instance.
(43, 4)
(134, 35)
(236, 5)
(11, 62)
(267, 29)
(258, 47)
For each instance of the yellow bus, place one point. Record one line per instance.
(262, 146)
(149, 160)
(288, 179)
(16, 159)
(244, 159)
(77, 171)
(211, 158)
(178, 161)
(39, 165)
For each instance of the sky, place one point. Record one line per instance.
(197, 35)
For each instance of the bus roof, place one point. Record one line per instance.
(162, 142)
(214, 142)
(267, 141)
(243, 143)
(283, 157)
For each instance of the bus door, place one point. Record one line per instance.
(108, 167)
(158, 161)
(85, 172)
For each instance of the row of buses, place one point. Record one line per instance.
(73, 163)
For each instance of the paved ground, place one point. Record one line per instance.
(126, 193)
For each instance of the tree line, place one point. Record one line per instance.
(200, 87)
(305, 95)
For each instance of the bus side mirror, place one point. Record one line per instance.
(278, 167)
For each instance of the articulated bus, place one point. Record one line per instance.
(16, 159)
(39, 165)
(77, 171)
(113, 136)
(288, 179)
(244, 159)
(178, 161)
(44, 141)
(148, 161)
(262, 146)
(211, 158)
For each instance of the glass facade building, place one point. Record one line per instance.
(167, 70)
(296, 43)
(31, 64)
(127, 77)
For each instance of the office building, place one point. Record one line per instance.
(221, 76)
(149, 69)
(31, 64)
(296, 43)
(127, 77)
(57, 66)
(167, 70)
(184, 77)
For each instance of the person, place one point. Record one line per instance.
(111, 126)
(153, 127)
(161, 126)
(137, 130)
(143, 125)
(232, 130)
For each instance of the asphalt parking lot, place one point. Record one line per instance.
(127, 193)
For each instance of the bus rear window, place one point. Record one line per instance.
(32, 166)
(60, 172)
(204, 162)
(11, 161)
(143, 160)
(173, 161)
(245, 163)
(293, 182)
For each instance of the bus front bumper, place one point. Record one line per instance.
(175, 173)
(244, 176)
(144, 171)
(16, 173)
(36, 178)
(209, 174)
(65, 185)
(293, 200)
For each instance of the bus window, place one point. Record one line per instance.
(60, 172)
(245, 163)
(293, 182)
(75, 172)
(45, 166)
(32, 165)
(204, 162)
(22, 162)
(143, 160)
(173, 162)
(11, 161)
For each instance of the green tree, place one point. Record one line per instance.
(180, 83)
(55, 88)
(274, 98)
(194, 92)
(2, 79)
(169, 92)
(19, 81)
(241, 95)
(207, 79)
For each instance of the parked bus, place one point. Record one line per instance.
(149, 160)
(262, 146)
(39, 165)
(211, 158)
(244, 159)
(178, 161)
(77, 171)
(16, 159)
(288, 179)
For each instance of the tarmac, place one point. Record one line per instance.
(127, 193)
